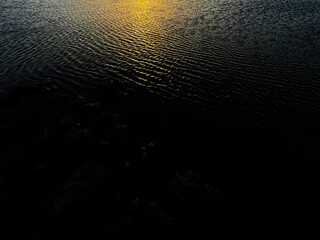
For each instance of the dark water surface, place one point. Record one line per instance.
(164, 93)
(257, 59)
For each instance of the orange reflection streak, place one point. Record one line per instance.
(137, 32)
(147, 19)
(145, 24)
(142, 22)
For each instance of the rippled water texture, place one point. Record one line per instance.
(258, 56)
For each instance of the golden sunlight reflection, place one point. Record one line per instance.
(136, 35)
(145, 35)
(147, 18)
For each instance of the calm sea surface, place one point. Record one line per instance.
(256, 58)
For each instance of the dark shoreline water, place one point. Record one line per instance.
(106, 165)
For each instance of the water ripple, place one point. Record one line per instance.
(255, 57)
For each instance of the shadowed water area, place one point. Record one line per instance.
(176, 116)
